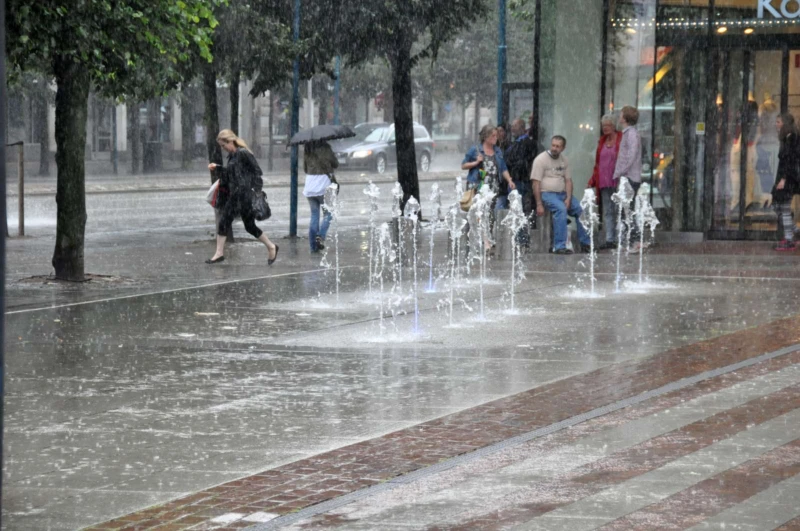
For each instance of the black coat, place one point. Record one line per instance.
(788, 168)
(242, 174)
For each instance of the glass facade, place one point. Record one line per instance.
(709, 79)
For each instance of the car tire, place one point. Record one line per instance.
(424, 162)
(380, 164)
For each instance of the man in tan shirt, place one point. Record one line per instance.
(552, 188)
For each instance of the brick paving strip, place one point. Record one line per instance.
(791, 525)
(310, 481)
(621, 466)
(713, 495)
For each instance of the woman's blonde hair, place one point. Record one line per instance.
(226, 135)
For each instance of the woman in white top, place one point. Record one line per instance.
(319, 162)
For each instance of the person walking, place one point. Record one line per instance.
(319, 163)
(629, 159)
(552, 188)
(787, 179)
(602, 180)
(239, 181)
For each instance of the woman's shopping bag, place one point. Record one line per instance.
(211, 195)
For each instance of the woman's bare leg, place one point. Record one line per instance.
(270, 246)
(220, 246)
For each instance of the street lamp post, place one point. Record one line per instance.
(3, 214)
(295, 126)
(501, 57)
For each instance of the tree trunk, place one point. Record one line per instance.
(270, 153)
(366, 109)
(134, 137)
(187, 126)
(389, 102)
(211, 119)
(404, 121)
(463, 122)
(477, 118)
(427, 112)
(42, 128)
(211, 116)
(323, 107)
(236, 77)
(72, 102)
(255, 127)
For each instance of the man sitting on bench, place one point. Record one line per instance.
(552, 188)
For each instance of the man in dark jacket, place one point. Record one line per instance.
(519, 159)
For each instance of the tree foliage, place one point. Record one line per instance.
(119, 44)
(391, 30)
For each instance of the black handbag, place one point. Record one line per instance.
(260, 207)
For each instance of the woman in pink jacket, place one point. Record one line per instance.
(602, 180)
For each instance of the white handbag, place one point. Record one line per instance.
(211, 195)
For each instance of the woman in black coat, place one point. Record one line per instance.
(237, 184)
(787, 179)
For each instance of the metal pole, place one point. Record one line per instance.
(501, 57)
(537, 63)
(21, 193)
(3, 214)
(295, 126)
(114, 151)
(336, 88)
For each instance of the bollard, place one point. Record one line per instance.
(21, 196)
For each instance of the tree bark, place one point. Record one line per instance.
(323, 107)
(187, 126)
(211, 119)
(404, 120)
(236, 78)
(463, 121)
(270, 153)
(427, 113)
(211, 116)
(42, 128)
(134, 137)
(477, 119)
(72, 102)
(389, 103)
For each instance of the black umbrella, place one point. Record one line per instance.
(318, 133)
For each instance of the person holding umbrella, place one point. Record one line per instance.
(319, 163)
(238, 182)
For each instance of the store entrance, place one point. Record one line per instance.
(752, 87)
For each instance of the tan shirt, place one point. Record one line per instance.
(552, 173)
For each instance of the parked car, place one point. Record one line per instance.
(362, 131)
(378, 151)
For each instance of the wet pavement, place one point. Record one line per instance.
(186, 396)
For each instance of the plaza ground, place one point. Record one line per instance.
(174, 395)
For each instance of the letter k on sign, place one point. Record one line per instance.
(784, 11)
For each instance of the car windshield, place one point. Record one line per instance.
(377, 135)
(362, 130)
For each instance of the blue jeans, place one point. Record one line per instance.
(314, 228)
(502, 203)
(554, 202)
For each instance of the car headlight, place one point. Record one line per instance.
(362, 154)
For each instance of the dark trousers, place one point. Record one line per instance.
(238, 206)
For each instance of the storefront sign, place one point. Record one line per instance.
(786, 8)
(700, 129)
